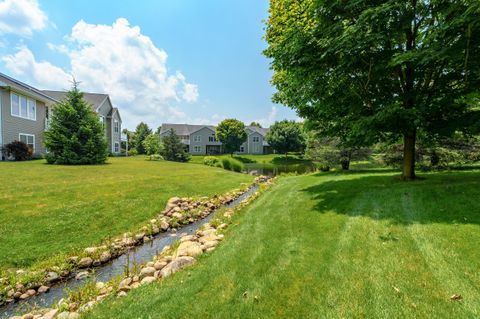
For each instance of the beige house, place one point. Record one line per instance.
(25, 112)
(200, 139)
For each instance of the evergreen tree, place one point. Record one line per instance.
(75, 135)
(141, 133)
(172, 148)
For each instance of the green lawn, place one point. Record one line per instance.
(46, 210)
(358, 245)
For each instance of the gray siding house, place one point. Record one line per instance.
(25, 110)
(107, 114)
(200, 139)
(23, 114)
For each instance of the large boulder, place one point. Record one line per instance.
(176, 265)
(147, 272)
(52, 276)
(85, 262)
(189, 248)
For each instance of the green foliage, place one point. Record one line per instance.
(151, 144)
(286, 136)
(232, 164)
(226, 163)
(75, 135)
(172, 148)
(232, 134)
(371, 71)
(141, 133)
(210, 161)
(330, 152)
(256, 124)
(18, 150)
(443, 153)
(131, 136)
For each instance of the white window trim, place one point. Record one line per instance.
(19, 107)
(116, 126)
(197, 138)
(116, 147)
(25, 134)
(255, 139)
(195, 148)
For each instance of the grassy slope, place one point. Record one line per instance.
(261, 159)
(46, 210)
(334, 246)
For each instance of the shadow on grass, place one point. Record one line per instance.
(282, 160)
(244, 160)
(445, 197)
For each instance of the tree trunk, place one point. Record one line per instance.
(409, 156)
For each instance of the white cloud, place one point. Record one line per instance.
(269, 119)
(119, 60)
(21, 17)
(43, 75)
(190, 92)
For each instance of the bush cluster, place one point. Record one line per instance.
(230, 164)
(18, 150)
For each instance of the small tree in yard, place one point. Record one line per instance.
(75, 135)
(232, 134)
(151, 144)
(286, 136)
(141, 132)
(172, 148)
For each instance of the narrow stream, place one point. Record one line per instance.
(139, 254)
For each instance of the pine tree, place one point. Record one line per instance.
(173, 149)
(75, 135)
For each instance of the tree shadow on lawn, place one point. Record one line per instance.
(444, 197)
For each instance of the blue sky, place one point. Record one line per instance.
(160, 61)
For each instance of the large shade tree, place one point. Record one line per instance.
(377, 70)
(286, 136)
(232, 134)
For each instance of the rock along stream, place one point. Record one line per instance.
(137, 255)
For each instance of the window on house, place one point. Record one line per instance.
(116, 147)
(102, 120)
(28, 139)
(197, 149)
(23, 107)
(197, 138)
(212, 138)
(116, 126)
(242, 149)
(256, 139)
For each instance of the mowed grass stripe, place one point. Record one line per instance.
(358, 245)
(49, 210)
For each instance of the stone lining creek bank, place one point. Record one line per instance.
(101, 264)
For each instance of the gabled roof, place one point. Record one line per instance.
(184, 129)
(9, 82)
(94, 99)
(188, 129)
(260, 130)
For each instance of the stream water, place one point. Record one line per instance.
(137, 255)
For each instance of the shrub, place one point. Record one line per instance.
(232, 164)
(211, 161)
(18, 150)
(226, 164)
(237, 166)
